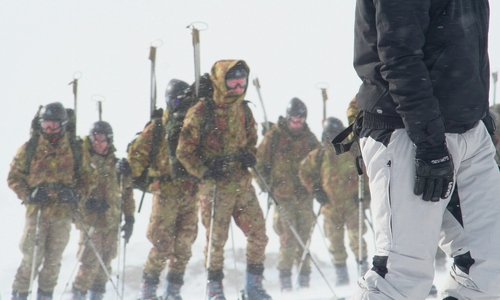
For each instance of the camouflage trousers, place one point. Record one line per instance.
(300, 215)
(243, 206)
(172, 230)
(90, 274)
(53, 238)
(336, 216)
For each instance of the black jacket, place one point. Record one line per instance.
(424, 65)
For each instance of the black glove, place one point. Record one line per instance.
(38, 195)
(216, 171)
(100, 206)
(123, 167)
(128, 228)
(67, 194)
(248, 159)
(434, 173)
(320, 195)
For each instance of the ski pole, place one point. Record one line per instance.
(119, 234)
(281, 211)
(77, 75)
(76, 214)
(308, 243)
(210, 234)
(80, 253)
(256, 83)
(35, 249)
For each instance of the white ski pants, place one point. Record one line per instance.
(409, 229)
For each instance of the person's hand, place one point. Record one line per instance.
(38, 195)
(68, 195)
(248, 159)
(216, 171)
(320, 195)
(128, 228)
(434, 173)
(123, 167)
(100, 206)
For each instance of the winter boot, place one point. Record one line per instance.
(364, 267)
(285, 281)
(97, 292)
(77, 294)
(215, 290)
(41, 295)
(342, 277)
(173, 286)
(253, 286)
(304, 281)
(19, 296)
(149, 285)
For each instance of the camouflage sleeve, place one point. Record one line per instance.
(189, 140)
(252, 135)
(88, 176)
(309, 170)
(17, 175)
(264, 158)
(138, 153)
(352, 111)
(128, 197)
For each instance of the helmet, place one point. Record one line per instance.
(331, 127)
(176, 89)
(54, 112)
(296, 108)
(101, 127)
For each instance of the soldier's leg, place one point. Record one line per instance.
(161, 233)
(109, 252)
(27, 244)
(57, 239)
(334, 231)
(305, 218)
(249, 218)
(186, 231)
(288, 242)
(89, 265)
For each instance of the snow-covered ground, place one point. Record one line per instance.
(12, 223)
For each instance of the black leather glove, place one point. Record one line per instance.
(38, 195)
(434, 173)
(128, 228)
(100, 206)
(123, 167)
(67, 194)
(216, 171)
(320, 195)
(248, 159)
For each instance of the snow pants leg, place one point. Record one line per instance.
(299, 213)
(408, 229)
(172, 230)
(54, 236)
(90, 274)
(243, 206)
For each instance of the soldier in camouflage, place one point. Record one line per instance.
(50, 173)
(217, 145)
(278, 159)
(173, 224)
(103, 210)
(334, 182)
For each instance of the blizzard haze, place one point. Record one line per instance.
(290, 45)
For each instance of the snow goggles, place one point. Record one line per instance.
(53, 125)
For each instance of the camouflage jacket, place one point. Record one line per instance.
(109, 189)
(138, 157)
(279, 156)
(336, 173)
(233, 132)
(52, 166)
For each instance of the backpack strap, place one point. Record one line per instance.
(76, 148)
(155, 143)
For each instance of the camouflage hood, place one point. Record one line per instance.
(218, 76)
